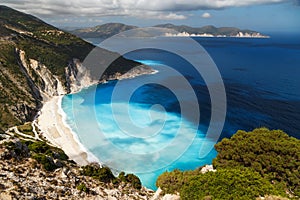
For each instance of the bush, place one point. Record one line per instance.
(38, 147)
(132, 179)
(103, 174)
(82, 187)
(44, 148)
(239, 184)
(172, 182)
(46, 161)
(273, 154)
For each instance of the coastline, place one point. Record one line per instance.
(51, 122)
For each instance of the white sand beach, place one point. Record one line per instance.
(52, 126)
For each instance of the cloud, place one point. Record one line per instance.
(167, 9)
(171, 16)
(206, 15)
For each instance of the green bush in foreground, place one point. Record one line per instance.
(132, 179)
(103, 174)
(250, 164)
(172, 182)
(272, 153)
(232, 184)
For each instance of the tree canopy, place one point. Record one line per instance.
(272, 153)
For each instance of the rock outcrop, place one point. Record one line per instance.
(77, 77)
(23, 177)
(43, 83)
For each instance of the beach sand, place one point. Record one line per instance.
(51, 123)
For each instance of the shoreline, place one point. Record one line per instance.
(52, 123)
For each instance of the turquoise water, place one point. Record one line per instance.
(147, 134)
(142, 136)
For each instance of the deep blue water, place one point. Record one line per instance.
(262, 82)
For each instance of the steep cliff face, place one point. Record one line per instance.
(77, 77)
(45, 85)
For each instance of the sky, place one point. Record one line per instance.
(260, 15)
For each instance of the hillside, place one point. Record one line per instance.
(34, 169)
(38, 61)
(211, 30)
(110, 29)
(102, 31)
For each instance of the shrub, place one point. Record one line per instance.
(45, 161)
(172, 182)
(272, 153)
(103, 174)
(235, 183)
(38, 147)
(82, 187)
(132, 179)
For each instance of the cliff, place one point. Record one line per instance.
(211, 31)
(39, 61)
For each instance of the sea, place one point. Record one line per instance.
(139, 125)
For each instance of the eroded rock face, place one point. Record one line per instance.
(77, 77)
(43, 83)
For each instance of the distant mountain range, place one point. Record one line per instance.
(110, 29)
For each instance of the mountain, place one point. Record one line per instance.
(110, 29)
(39, 61)
(102, 31)
(212, 31)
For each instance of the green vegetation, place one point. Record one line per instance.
(102, 31)
(40, 41)
(273, 154)
(49, 157)
(105, 175)
(26, 129)
(132, 179)
(46, 161)
(172, 182)
(235, 184)
(250, 164)
(40, 147)
(20, 99)
(82, 187)
(45, 155)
